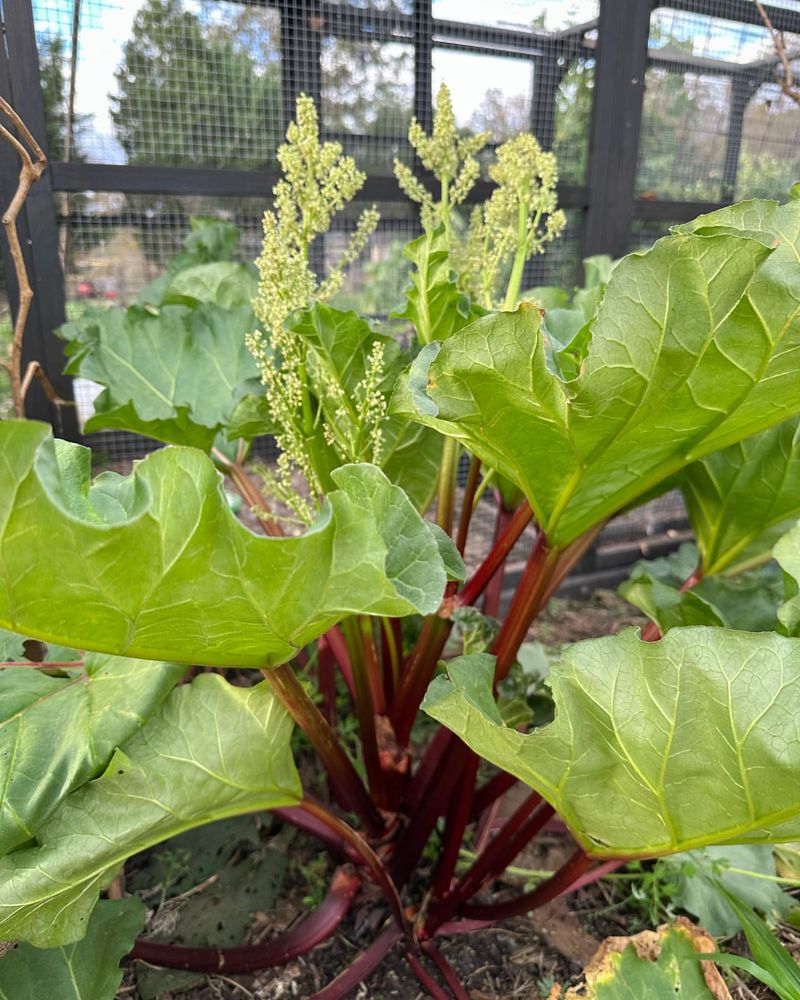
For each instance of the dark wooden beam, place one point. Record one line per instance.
(623, 36)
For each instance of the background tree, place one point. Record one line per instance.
(191, 92)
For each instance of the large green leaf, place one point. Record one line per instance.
(743, 498)
(224, 283)
(86, 970)
(747, 601)
(210, 751)
(434, 305)
(695, 345)
(174, 373)
(656, 747)
(339, 345)
(155, 565)
(58, 732)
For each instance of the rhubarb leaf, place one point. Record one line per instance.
(656, 747)
(156, 565)
(742, 499)
(227, 284)
(434, 305)
(339, 346)
(86, 970)
(695, 345)
(747, 601)
(210, 751)
(58, 732)
(173, 373)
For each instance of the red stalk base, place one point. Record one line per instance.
(305, 935)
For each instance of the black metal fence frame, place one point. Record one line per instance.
(607, 199)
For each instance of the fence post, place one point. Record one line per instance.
(743, 89)
(623, 33)
(423, 62)
(38, 229)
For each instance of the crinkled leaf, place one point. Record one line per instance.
(156, 565)
(698, 875)
(787, 555)
(210, 751)
(694, 346)
(666, 604)
(451, 557)
(174, 373)
(339, 345)
(86, 970)
(434, 305)
(743, 498)
(653, 965)
(656, 747)
(747, 602)
(250, 419)
(58, 732)
(224, 283)
(209, 240)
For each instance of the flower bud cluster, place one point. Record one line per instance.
(451, 158)
(520, 218)
(318, 181)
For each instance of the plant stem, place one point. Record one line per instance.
(251, 493)
(430, 806)
(306, 934)
(391, 653)
(467, 503)
(309, 824)
(338, 646)
(527, 601)
(491, 791)
(364, 684)
(308, 717)
(446, 498)
(518, 830)
(515, 279)
(432, 987)
(494, 589)
(361, 966)
(417, 675)
(476, 585)
(458, 816)
(447, 971)
(567, 875)
(377, 868)
(544, 571)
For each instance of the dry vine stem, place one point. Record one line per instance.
(787, 80)
(33, 166)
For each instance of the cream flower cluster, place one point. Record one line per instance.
(520, 218)
(451, 158)
(318, 181)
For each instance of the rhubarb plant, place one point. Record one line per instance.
(160, 652)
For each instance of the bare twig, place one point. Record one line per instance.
(33, 166)
(787, 80)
